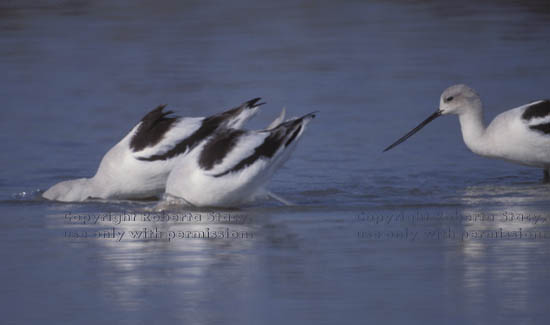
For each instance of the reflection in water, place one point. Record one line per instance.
(508, 195)
(505, 259)
(136, 253)
(77, 72)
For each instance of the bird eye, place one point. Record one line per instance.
(448, 99)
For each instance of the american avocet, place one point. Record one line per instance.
(520, 135)
(233, 166)
(138, 166)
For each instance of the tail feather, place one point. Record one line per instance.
(293, 122)
(253, 103)
(280, 119)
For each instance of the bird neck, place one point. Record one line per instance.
(473, 129)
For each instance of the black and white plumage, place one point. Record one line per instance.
(232, 166)
(520, 135)
(138, 166)
(537, 116)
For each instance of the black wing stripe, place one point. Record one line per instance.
(271, 144)
(208, 127)
(541, 109)
(152, 129)
(218, 147)
(294, 135)
(267, 149)
(544, 128)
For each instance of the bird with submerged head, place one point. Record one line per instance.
(233, 167)
(138, 166)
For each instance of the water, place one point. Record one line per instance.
(425, 233)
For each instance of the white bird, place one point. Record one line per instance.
(138, 166)
(520, 135)
(233, 166)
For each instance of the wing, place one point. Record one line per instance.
(537, 116)
(161, 137)
(235, 151)
(159, 133)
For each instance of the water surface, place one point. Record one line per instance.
(425, 233)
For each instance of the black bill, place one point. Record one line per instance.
(416, 129)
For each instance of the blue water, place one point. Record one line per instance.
(425, 233)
